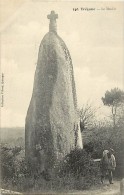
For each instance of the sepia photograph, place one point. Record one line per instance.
(62, 97)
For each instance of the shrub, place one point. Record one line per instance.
(79, 166)
(76, 171)
(105, 138)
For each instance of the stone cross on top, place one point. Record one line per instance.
(52, 26)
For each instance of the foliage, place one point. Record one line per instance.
(113, 99)
(106, 137)
(13, 165)
(115, 137)
(78, 163)
(8, 161)
(120, 116)
(76, 171)
(87, 116)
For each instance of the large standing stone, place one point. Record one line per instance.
(51, 122)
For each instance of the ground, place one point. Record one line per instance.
(102, 189)
(105, 189)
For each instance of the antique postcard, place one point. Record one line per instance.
(62, 97)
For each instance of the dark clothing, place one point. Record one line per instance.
(103, 175)
(110, 176)
(103, 168)
(107, 165)
(111, 167)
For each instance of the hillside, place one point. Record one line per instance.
(13, 136)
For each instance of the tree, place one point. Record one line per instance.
(120, 116)
(87, 116)
(113, 99)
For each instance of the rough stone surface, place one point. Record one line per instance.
(51, 119)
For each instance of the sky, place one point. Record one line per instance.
(95, 39)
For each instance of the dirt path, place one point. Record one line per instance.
(101, 189)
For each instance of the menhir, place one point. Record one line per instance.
(52, 128)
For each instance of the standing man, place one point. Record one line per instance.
(111, 165)
(104, 165)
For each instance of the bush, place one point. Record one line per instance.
(79, 166)
(105, 138)
(12, 165)
(76, 171)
